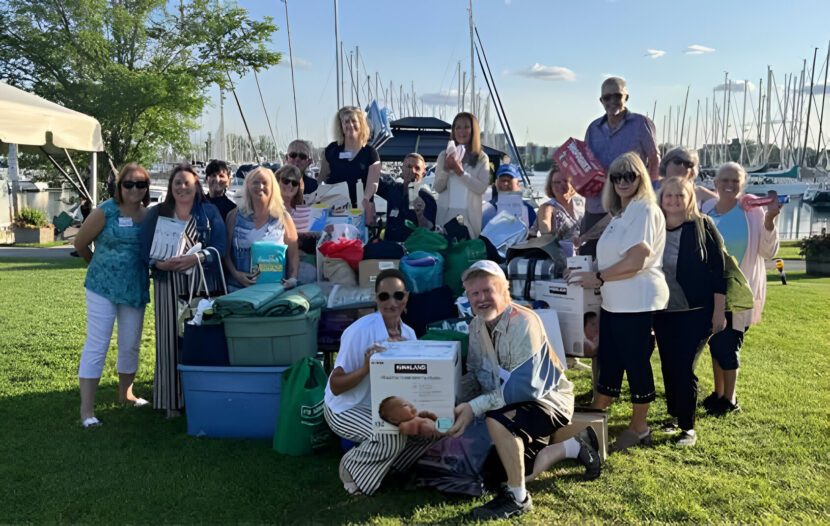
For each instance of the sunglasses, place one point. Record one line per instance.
(286, 181)
(399, 295)
(628, 177)
(294, 155)
(688, 164)
(141, 185)
(611, 96)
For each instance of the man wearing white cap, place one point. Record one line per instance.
(617, 132)
(519, 385)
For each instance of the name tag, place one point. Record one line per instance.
(346, 155)
(393, 212)
(125, 222)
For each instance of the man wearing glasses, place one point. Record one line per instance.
(617, 132)
(218, 179)
(299, 154)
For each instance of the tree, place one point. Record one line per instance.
(141, 69)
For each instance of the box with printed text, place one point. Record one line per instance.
(368, 270)
(426, 374)
(571, 303)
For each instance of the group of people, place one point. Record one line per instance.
(661, 245)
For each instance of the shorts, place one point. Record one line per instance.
(725, 346)
(533, 422)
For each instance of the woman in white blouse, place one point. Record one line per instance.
(629, 258)
(460, 184)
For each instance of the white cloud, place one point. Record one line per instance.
(655, 53)
(447, 98)
(299, 63)
(538, 71)
(817, 89)
(697, 49)
(736, 86)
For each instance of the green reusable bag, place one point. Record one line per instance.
(458, 258)
(738, 294)
(424, 239)
(301, 426)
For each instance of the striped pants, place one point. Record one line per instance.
(376, 453)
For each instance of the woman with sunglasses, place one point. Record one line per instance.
(348, 409)
(292, 187)
(693, 266)
(261, 216)
(349, 158)
(117, 287)
(472, 172)
(684, 163)
(186, 202)
(629, 258)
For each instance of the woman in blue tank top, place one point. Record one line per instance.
(261, 216)
(117, 287)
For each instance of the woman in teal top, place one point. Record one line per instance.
(117, 287)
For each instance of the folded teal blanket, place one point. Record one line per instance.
(295, 301)
(269, 300)
(247, 301)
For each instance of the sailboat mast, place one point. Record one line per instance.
(683, 120)
(291, 61)
(819, 147)
(743, 126)
(697, 120)
(769, 115)
(338, 66)
(472, 66)
(809, 107)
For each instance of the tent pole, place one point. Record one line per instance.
(80, 189)
(77, 174)
(93, 178)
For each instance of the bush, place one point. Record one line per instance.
(815, 247)
(31, 218)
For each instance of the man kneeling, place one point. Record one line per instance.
(521, 389)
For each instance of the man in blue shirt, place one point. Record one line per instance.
(617, 132)
(396, 195)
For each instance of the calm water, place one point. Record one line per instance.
(797, 219)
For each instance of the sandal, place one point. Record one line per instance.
(629, 438)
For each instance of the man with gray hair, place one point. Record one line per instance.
(516, 381)
(617, 132)
(299, 154)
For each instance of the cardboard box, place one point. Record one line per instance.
(587, 173)
(581, 420)
(425, 373)
(570, 302)
(368, 270)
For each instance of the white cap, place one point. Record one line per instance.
(490, 267)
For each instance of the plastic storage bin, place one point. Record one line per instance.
(272, 341)
(232, 402)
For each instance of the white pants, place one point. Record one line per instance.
(100, 317)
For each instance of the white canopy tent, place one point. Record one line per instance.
(38, 125)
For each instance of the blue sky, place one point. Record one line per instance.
(422, 42)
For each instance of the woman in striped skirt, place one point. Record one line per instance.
(348, 407)
(185, 202)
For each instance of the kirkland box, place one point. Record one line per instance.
(570, 302)
(427, 374)
(368, 270)
(232, 402)
(278, 340)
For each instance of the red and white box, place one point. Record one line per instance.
(577, 160)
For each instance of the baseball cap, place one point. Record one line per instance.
(490, 267)
(508, 169)
(614, 85)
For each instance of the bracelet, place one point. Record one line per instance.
(599, 277)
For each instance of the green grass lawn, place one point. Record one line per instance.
(789, 250)
(766, 464)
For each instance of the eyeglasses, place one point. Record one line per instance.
(141, 185)
(286, 181)
(294, 155)
(688, 164)
(610, 96)
(399, 295)
(628, 177)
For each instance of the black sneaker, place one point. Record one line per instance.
(709, 402)
(503, 506)
(723, 407)
(670, 427)
(588, 456)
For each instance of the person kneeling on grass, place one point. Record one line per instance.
(520, 388)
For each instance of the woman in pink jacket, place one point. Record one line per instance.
(750, 235)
